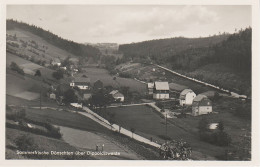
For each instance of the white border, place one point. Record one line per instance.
(255, 85)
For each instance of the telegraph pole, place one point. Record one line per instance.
(41, 98)
(166, 124)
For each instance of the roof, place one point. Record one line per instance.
(113, 92)
(81, 79)
(200, 97)
(201, 100)
(185, 91)
(150, 85)
(161, 85)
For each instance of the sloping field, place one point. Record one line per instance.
(88, 141)
(52, 51)
(28, 67)
(148, 123)
(28, 95)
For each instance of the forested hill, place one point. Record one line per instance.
(77, 49)
(162, 49)
(188, 54)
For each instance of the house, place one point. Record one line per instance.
(81, 83)
(161, 90)
(186, 97)
(150, 87)
(56, 61)
(98, 85)
(87, 96)
(201, 105)
(53, 96)
(117, 95)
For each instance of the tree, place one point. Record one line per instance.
(221, 126)
(58, 74)
(38, 73)
(25, 143)
(132, 130)
(70, 96)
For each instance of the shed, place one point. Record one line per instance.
(117, 95)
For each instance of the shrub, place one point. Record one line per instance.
(25, 143)
(16, 68)
(38, 73)
(58, 74)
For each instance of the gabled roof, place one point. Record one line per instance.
(113, 92)
(161, 85)
(199, 97)
(185, 91)
(150, 85)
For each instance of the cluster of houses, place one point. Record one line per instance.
(83, 84)
(201, 104)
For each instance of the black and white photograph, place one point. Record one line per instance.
(164, 82)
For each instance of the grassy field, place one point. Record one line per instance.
(43, 144)
(52, 51)
(101, 74)
(149, 124)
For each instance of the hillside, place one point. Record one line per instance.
(223, 60)
(74, 48)
(162, 49)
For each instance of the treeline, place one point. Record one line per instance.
(161, 50)
(67, 45)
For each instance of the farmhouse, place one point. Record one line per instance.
(150, 87)
(161, 90)
(201, 105)
(98, 85)
(81, 83)
(186, 97)
(117, 95)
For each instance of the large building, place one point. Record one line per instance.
(161, 90)
(186, 97)
(201, 105)
(81, 83)
(117, 96)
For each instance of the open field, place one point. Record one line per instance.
(52, 51)
(101, 74)
(87, 141)
(28, 67)
(149, 124)
(43, 144)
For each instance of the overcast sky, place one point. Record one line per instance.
(131, 23)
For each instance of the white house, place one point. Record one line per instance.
(186, 97)
(53, 96)
(56, 61)
(81, 83)
(161, 90)
(150, 87)
(117, 95)
(201, 105)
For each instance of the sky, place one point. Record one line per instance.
(132, 23)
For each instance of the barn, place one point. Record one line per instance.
(186, 97)
(81, 83)
(161, 90)
(201, 105)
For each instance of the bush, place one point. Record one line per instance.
(125, 75)
(16, 68)
(25, 143)
(38, 73)
(58, 74)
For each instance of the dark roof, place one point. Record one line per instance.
(81, 80)
(201, 100)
